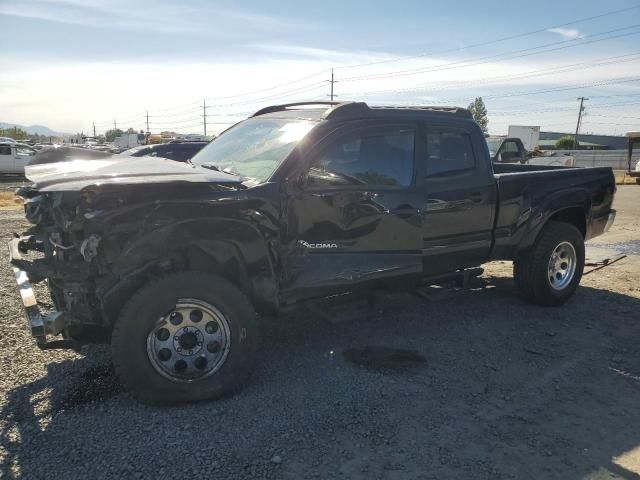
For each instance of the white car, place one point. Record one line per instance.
(14, 157)
(7, 140)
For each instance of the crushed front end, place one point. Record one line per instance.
(58, 250)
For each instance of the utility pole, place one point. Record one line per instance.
(115, 125)
(148, 132)
(94, 129)
(204, 115)
(332, 81)
(575, 137)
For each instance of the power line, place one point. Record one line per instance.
(516, 76)
(491, 42)
(502, 56)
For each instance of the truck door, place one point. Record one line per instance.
(22, 156)
(6, 159)
(356, 217)
(460, 196)
(512, 151)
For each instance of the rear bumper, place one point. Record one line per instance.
(40, 325)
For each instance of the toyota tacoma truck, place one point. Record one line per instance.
(174, 263)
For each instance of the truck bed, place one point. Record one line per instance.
(527, 195)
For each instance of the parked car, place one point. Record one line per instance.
(512, 150)
(14, 157)
(178, 151)
(169, 262)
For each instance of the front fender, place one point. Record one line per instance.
(220, 239)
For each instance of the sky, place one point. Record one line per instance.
(70, 64)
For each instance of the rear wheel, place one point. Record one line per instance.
(550, 272)
(184, 337)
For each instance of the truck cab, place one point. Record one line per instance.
(14, 157)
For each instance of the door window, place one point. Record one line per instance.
(448, 151)
(5, 150)
(380, 157)
(25, 151)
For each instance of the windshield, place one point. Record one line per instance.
(254, 148)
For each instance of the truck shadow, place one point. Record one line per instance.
(534, 392)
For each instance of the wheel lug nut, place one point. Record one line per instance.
(195, 316)
(213, 347)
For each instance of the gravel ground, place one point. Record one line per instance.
(497, 388)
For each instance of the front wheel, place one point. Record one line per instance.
(184, 337)
(550, 272)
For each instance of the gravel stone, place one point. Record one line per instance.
(480, 406)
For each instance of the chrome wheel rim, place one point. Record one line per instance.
(190, 342)
(562, 266)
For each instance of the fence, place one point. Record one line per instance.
(616, 159)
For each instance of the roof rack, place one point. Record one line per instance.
(356, 109)
(287, 106)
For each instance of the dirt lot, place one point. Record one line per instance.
(506, 390)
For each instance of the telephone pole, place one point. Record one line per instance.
(94, 129)
(115, 125)
(332, 82)
(148, 132)
(204, 115)
(575, 137)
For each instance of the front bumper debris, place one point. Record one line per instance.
(610, 219)
(39, 324)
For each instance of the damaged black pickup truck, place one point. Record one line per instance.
(173, 263)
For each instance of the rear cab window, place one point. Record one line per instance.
(449, 151)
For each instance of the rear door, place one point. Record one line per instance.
(460, 194)
(355, 218)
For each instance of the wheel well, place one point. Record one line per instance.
(574, 216)
(225, 263)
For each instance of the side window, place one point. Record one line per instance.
(380, 157)
(24, 151)
(4, 150)
(448, 151)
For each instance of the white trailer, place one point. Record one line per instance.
(530, 136)
(127, 140)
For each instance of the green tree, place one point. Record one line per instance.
(479, 113)
(110, 135)
(565, 143)
(15, 133)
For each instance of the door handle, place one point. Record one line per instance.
(405, 211)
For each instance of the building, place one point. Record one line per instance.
(586, 141)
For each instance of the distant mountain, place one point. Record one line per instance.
(34, 129)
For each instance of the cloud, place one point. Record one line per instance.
(568, 33)
(162, 17)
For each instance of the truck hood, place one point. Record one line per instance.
(78, 174)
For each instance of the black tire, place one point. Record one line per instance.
(157, 299)
(531, 269)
